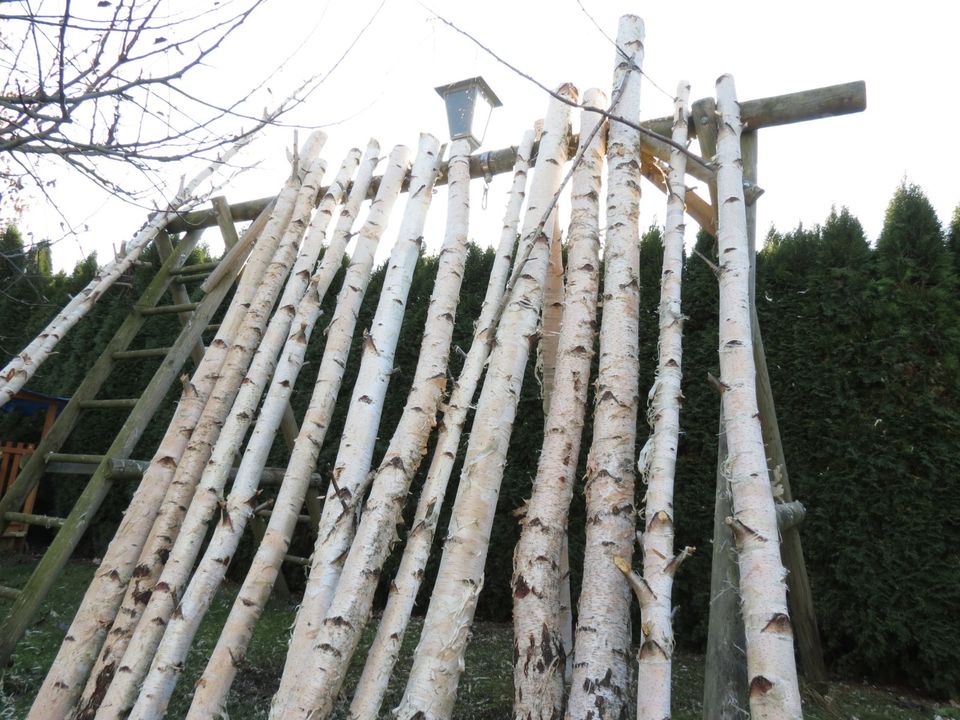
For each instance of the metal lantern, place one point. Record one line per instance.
(469, 106)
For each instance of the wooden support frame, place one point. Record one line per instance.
(829, 101)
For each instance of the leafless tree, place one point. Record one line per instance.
(101, 83)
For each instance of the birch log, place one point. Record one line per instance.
(350, 606)
(182, 521)
(553, 293)
(432, 685)
(87, 637)
(182, 625)
(213, 686)
(539, 652)
(22, 367)
(658, 459)
(602, 645)
(771, 668)
(382, 655)
(355, 455)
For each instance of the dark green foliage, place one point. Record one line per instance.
(863, 347)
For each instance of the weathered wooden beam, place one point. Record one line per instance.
(141, 354)
(796, 107)
(830, 101)
(110, 404)
(30, 519)
(236, 255)
(228, 230)
(128, 469)
(196, 268)
(170, 309)
(696, 206)
(9, 593)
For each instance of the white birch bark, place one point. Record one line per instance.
(771, 667)
(22, 367)
(659, 457)
(350, 605)
(553, 292)
(98, 612)
(602, 647)
(382, 655)
(182, 522)
(213, 686)
(432, 685)
(539, 653)
(298, 308)
(355, 455)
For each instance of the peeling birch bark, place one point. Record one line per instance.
(382, 655)
(298, 308)
(126, 576)
(182, 522)
(432, 685)
(771, 668)
(212, 688)
(602, 647)
(355, 455)
(539, 652)
(350, 606)
(658, 460)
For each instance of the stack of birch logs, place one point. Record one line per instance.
(127, 645)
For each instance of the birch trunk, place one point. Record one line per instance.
(771, 667)
(302, 309)
(213, 686)
(181, 524)
(87, 636)
(355, 455)
(600, 671)
(432, 685)
(22, 367)
(382, 655)
(659, 457)
(539, 651)
(553, 292)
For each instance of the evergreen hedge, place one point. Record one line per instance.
(863, 345)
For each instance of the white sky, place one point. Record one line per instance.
(384, 89)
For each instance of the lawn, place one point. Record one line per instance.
(485, 689)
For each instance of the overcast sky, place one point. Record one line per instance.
(384, 89)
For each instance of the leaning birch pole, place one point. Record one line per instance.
(355, 455)
(658, 459)
(539, 650)
(22, 367)
(182, 521)
(182, 625)
(600, 670)
(382, 655)
(771, 668)
(212, 688)
(86, 638)
(350, 605)
(432, 684)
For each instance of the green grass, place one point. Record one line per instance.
(485, 691)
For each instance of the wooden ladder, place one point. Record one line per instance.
(114, 463)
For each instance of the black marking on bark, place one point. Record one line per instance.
(759, 686)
